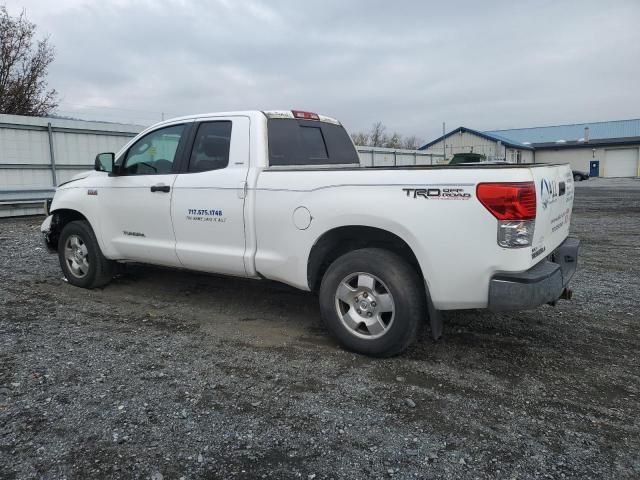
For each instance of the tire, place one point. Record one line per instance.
(80, 256)
(373, 301)
(577, 178)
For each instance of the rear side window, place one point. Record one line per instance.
(211, 147)
(307, 142)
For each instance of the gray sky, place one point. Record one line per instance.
(411, 64)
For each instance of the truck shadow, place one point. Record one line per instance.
(271, 314)
(264, 312)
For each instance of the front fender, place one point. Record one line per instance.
(73, 203)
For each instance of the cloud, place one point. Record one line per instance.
(411, 64)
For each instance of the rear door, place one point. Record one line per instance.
(554, 192)
(209, 196)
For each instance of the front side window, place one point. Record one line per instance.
(211, 147)
(154, 153)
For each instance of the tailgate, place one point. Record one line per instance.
(554, 193)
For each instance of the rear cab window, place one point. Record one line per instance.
(297, 142)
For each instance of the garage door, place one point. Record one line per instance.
(622, 163)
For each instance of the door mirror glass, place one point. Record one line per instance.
(104, 162)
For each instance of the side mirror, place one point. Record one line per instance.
(104, 162)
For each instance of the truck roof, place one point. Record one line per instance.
(268, 113)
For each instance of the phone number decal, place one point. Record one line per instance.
(205, 215)
(205, 212)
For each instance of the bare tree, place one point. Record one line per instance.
(23, 68)
(377, 137)
(360, 139)
(411, 143)
(394, 141)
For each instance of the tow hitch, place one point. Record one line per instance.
(567, 294)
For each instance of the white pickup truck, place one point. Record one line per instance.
(281, 195)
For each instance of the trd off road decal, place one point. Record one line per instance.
(205, 215)
(438, 193)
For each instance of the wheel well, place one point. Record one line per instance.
(341, 240)
(60, 219)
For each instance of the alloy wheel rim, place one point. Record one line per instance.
(364, 305)
(76, 256)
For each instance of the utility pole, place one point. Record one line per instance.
(444, 145)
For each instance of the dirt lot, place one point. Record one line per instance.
(174, 374)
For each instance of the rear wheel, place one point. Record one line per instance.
(373, 301)
(80, 257)
(577, 178)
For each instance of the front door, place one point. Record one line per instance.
(208, 198)
(594, 168)
(136, 204)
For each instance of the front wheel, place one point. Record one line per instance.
(373, 301)
(577, 178)
(80, 256)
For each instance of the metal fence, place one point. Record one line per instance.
(395, 157)
(37, 154)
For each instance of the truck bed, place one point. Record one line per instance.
(484, 166)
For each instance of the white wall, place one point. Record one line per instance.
(466, 142)
(579, 158)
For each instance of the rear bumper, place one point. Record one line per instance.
(541, 284)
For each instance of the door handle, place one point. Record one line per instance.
(161, 188)
(242, 192)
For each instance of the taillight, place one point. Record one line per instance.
(509, 201)
(305, 115)
(514, 205)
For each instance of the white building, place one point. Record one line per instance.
(493, 147)
(607, 149)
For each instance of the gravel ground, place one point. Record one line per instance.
(168, 374)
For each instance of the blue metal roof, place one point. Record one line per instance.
(573, 132)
